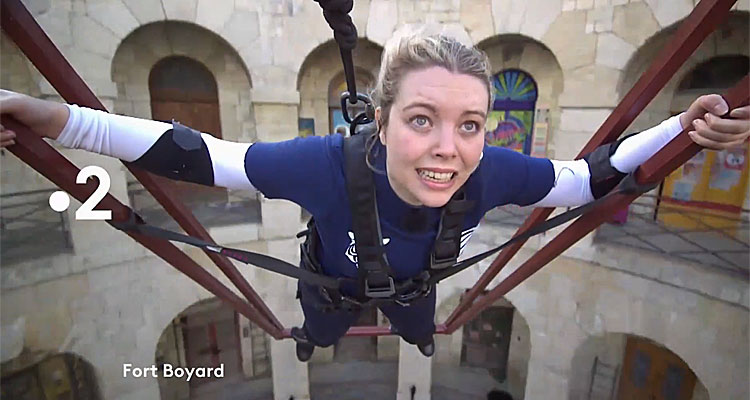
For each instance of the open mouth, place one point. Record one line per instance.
(434, 176)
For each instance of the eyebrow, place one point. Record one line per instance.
(434, 110)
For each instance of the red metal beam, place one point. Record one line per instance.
(372, 331)
(676, 153)
(703, 20)
(23, 29)
(35, 152)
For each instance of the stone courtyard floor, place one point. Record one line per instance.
(360, 380)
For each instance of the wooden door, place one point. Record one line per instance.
(652, 372)
(185, 91)
(487, 339)
(211, 339)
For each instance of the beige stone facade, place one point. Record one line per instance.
(109, 300)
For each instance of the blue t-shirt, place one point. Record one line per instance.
(310, 172)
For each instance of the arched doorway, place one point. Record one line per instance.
(622, 366)
(184, 90)
(211, 334)
(494, 353)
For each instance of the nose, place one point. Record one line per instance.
(445, 146)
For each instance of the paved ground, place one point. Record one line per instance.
(359, 380)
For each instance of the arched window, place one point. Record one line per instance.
(510, 123)
(336, 123)
(720, 72)
(185, 90)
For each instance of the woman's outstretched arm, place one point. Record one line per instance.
(572, 179)
(170, 150)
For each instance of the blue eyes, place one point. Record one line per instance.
(422, 122)
(470, 126)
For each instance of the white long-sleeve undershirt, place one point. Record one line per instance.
(571, 187)
(128, 138)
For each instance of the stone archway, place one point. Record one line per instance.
(517, 52)
(731, 38)
(177, 49)
(210, 334)
(618, 365)
(139, 52)
(45, 375)
(490, 352)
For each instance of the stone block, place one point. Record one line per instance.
(569, 5)
(532, 18)
(414, 369)
(181, 10)
(584, 4)
(114, 15)
(567, 39)
(634, 14)
(613, 52)
(146, 11)
(290, 377)
(213, 14)
(667, 12)
(601, 18)
(582, 120)
(56, 24)
(242, 27)
(90, 36)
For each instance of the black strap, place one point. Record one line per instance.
(336, 13)
(135, 224)
(448, 240)
(403, 291)
(374, 274)
(627, 186)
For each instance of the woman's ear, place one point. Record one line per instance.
(381, 131)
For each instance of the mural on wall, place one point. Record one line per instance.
(339, 124)
(712, 185)
(510, 123)
(306, 127)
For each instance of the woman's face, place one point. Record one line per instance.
(435, 134)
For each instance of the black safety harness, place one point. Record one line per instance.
(375, 279)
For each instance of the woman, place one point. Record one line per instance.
(432, 98)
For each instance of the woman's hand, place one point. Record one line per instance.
(45, 118)
(711, 131)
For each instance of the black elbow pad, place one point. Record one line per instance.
(604, 177)
(180, 154)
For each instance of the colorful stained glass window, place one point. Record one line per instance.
(510, 123)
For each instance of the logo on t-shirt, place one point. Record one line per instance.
(351, 251)
(465, 236)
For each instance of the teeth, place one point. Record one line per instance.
(436, 176)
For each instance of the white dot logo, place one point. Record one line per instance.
(59, 201)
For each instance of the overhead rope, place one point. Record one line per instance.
(336, 13)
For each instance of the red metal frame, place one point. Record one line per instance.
(20, 26)
(703, 20)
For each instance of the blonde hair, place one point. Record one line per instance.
(415, 52)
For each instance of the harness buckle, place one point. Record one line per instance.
(441, 263)
(380, 292)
